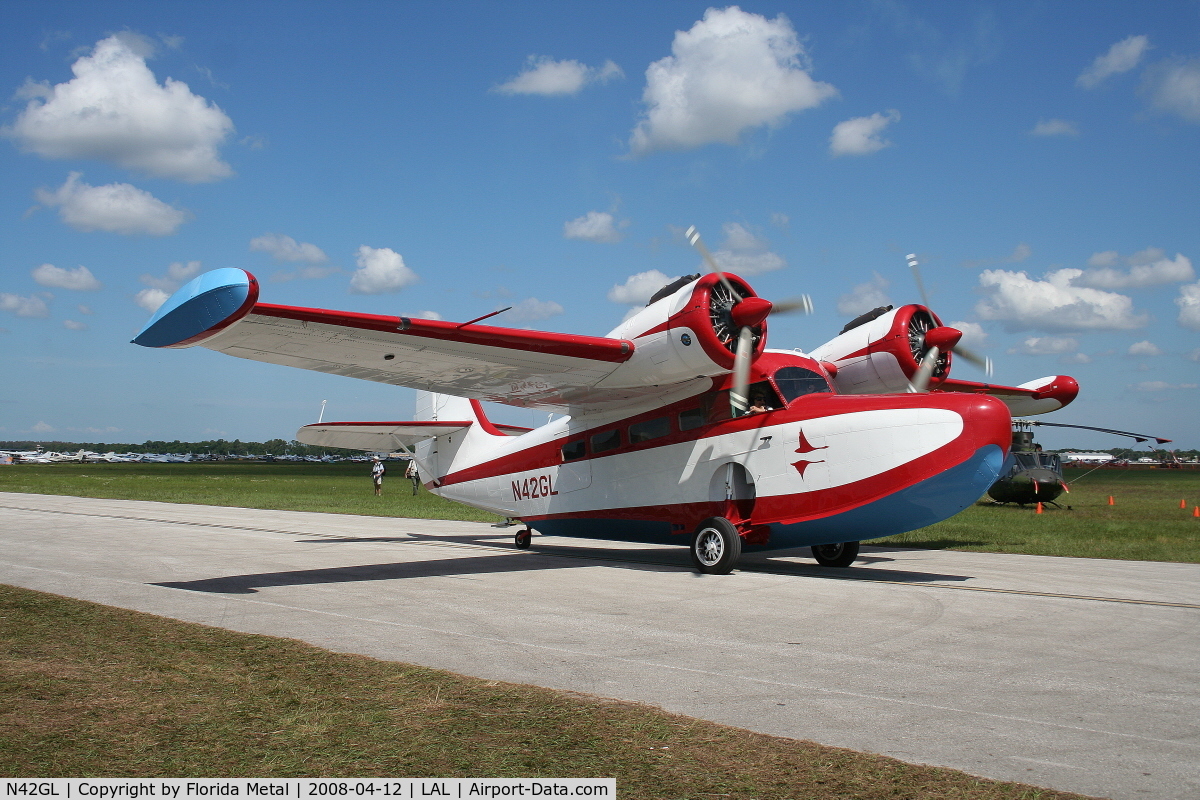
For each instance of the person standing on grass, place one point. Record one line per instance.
(411, 474)
(377, 471)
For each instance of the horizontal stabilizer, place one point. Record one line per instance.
(376, 436)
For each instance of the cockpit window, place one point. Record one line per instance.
(796, 382)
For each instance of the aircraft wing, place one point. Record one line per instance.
(1035, 397)
(534, 369)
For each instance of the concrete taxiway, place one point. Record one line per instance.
(1076, 674)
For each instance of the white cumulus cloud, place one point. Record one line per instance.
(32, 306)
(1054, 303)
(1121, 57)
(72, 325)
(79, 279)
(864, 297)
(1189, 306)
(545, 76)
(114, 110)
(973, 334)
(745, 253)
(1150, 267)
(638, 289)
(380, 270)
(730, 72)
(151, 299)
(1144, 348)
(115, 207)
(285, 248)
(1045, 345)
(1173, 86)
(862, 135)
(531, 309)
(594, 226)
(1054, 127)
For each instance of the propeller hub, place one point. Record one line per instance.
(750, 312)
(943, 338)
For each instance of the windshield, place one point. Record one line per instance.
(796, 382)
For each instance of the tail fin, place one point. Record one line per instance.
(463, 448)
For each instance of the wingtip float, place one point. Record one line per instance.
(206, 305)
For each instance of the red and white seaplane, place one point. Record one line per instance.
(679, 425)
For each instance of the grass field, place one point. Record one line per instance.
(1145, 523)
(91, 691)
(341, 488)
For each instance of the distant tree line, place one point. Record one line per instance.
(216, 447)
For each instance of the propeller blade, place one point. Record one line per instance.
(693, 237)
(802, 304)
(912, 264)
(920, 381)
(983, 362)
(739, 400)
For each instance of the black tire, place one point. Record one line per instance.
(523, 539)
(716, 546)
(841, 554)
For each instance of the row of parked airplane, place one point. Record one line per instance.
(85, 456)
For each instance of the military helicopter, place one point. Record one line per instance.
(1031, 476)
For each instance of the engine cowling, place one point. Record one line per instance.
(692, 332)
(881, 354)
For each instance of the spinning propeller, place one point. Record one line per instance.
(940, 339)
(747, 313)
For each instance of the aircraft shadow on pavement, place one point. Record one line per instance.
(563, 557)
(767, 561)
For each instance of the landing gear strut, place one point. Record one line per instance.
(716, 546)
(841, 554)
(523, 539)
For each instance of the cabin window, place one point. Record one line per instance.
(649, 429)
(796, 382)
(691, 418)
(761, 395)
(603, 442)
(574, 450)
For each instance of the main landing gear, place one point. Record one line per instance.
(841, 554)
(716, 546)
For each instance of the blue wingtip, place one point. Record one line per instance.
(206, 305)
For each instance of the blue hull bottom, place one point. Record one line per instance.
(925, 503)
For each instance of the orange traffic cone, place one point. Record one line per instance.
(1183, 503)
(1111, 502)
(1039, 508)
(1196, 511)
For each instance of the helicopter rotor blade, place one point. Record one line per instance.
(1139, 436)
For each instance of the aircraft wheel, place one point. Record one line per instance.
(523, 539)
(841, 554)
(716, 546)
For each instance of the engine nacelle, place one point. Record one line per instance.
(881, 354)
(689, 333)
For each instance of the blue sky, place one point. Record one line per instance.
(1041, 158)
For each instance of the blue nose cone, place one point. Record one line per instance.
(206, 305)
